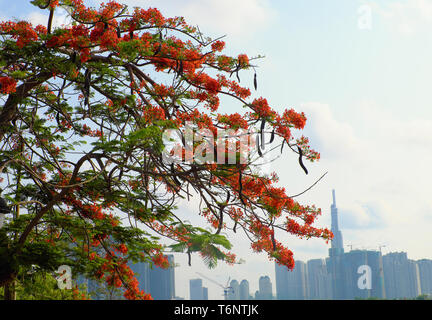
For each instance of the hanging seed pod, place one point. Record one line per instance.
(220, 222)
(73, 57)
(273, 241)
(258, 146)
(272, 136)
(283, 143)
(262, 134)
(118, 33)
(255, 81)
(301, 159)
(241, 189)
(181, 67)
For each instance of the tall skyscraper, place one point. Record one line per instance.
(196, 289)
(425, 272)
(401, 276)
(162, 281)
(319, 280)
(265, 291)
(291, 285)
(281, 275)
(362, 274)
(334, 261)
(142, 273)
(234, 292)
(244, 290)
(337, 242)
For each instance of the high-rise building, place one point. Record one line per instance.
(281, 275)
(162, 281)
(318, 280)
(196, 289)
(234, 291)
(142, 273)
(334, 261)
(401, 276)
(347, 269)
(337, 241)
(291, 285)
(362, 273)
(265, 291)
(425, 273)
(244, 290)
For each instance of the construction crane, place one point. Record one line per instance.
(381, 246)
(226, 288)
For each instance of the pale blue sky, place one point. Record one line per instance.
(367, 96)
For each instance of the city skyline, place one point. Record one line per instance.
(345, 275)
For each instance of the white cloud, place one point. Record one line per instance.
(380, 168)
(37, 17)
(240, 18)
(405, 16)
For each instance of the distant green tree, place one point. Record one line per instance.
(41, 285)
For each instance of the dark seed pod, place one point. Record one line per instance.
(272, 136)
(118, 33)
(301, 159)
(273, 241)
(255, 81)
(181, 68)
(258, 147)
(73, 57)
(241, 189)
(283, 143)
(262, 133)
(220, 222)
(131, 35)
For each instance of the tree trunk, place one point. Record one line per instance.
(9, 291)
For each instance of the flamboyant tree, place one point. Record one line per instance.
(83, 158)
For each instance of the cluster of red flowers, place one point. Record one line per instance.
(233, 120)
(7, 85)
(22, 31)
(262, 109)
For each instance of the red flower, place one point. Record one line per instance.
(7, 85)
